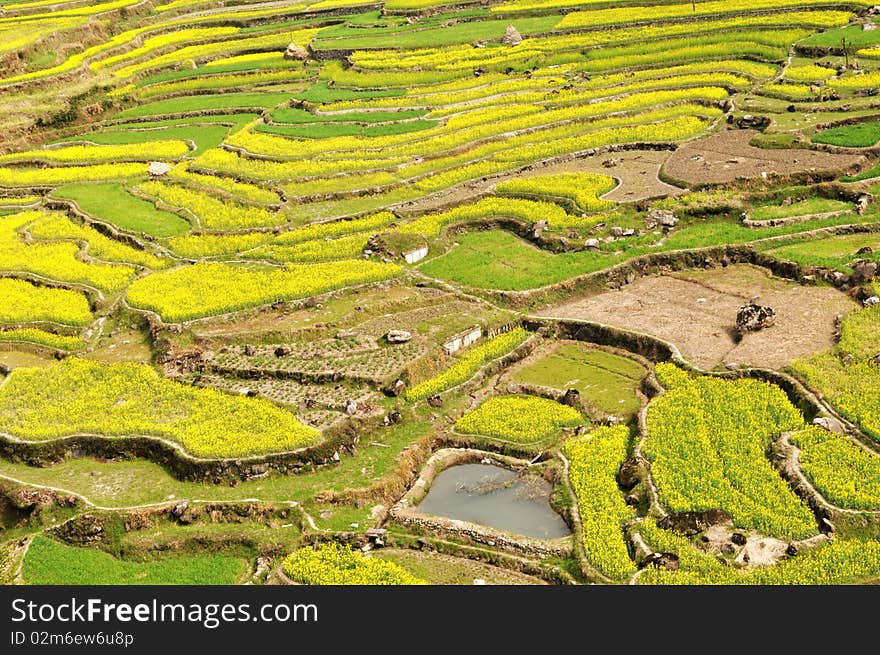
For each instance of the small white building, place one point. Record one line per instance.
(158, 169)
(462, 339)
(413, 256)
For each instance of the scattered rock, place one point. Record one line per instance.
(662, 217)
(616, 231)
(867, 250)
(791, 550)
(435, 401)
(668, 561)
(728, 549)
(296, 53)
(826, 526)
(397, 388)
(511, 36)
(538, 229)
(862, 203)
(632, 471)
(572, 398)
(350, 407)
(829, 423)
(752, 317)
(592, 244)
(628, 232)
(738, 538)
(250, 351)
(863, 272)
(180, 508)
(282, 351)
(398, 336)
(750, 122)
(691, 523)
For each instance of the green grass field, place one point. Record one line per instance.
(496, 259)
(192, 104)
(855, 36)
(204, 136)
(49, 562)
(860, 135)
(605, 380)
(110, 202)
(329, 130)
(767, 211)
(833, 252)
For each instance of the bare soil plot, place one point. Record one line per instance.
(696, 311)
(725, 156)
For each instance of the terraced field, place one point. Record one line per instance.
(270, 264)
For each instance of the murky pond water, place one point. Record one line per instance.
(497, 497)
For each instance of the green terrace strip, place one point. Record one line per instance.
(54, 260)
(85, 154)
(328, 130)
(49, 562)
(519, 419)
(834, 252)
(468, 364)
(842, 561)
(242, 63)
(23, 302)
(604, 380)
(594, 460)
(301, 116)
(112, 203)
(860, 135)
(202, 103)
(800, 208)
(707, 442)
(335, 564)
(42, 338)
(418, 36)
(84, 397)
(208, 289)
(845, 473)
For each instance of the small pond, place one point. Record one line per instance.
(497, 497)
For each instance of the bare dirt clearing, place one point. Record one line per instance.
(727, 156)
(696, 311)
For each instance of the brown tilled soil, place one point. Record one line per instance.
(696, 311)
(725, 156)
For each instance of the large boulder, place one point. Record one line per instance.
(662, 217)
(632, 471)
(752, 317)
(864, 271)
(296, 53)
(511, 36)
(398, 336)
